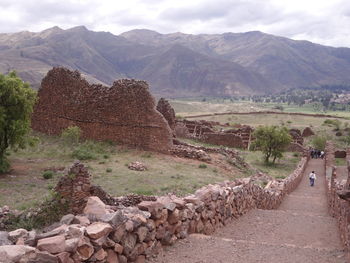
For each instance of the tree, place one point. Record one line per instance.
(272, 141)
(16, 105)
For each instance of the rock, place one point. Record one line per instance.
(153, 207)
(118, 248)
(81, 220)
(174, 217)
(115, 219)
(128, 242)
(55, 232)
(64, 257)
(39, 257)
(119, 233)
(72, 244)
(53, 245)
(4, 239)
(142, 233)
(112, 257)
(137, 166)
(141, 259)
(307, 132)
(122, 259)
(101, 254)
(67, 219)
(95, 207)
(98, 229)
(13, 253)
(167, 203)
(14, 235)
(75, 231)
(84, 249)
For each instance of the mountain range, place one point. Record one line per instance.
(177, 64)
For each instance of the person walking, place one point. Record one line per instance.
(312, 178)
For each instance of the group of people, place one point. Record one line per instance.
(316, 153)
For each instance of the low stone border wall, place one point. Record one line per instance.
(338, 207)
(104, 233)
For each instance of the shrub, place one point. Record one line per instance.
(71, 135)
(202, 166)
(83, 152)
(48, 174)
(319, 142)
(335, 123)
(109, 170)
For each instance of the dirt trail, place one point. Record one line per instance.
(300, 231)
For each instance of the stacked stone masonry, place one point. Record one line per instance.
(105, 233)
(124, 113)
(338, 195)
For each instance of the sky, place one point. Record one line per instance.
(326, 22)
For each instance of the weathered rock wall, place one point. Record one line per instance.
(338, 207)
(223, 139)
(125, 112)
(132, 234)
(164, 107)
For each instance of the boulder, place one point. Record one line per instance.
(98, 229)
(115, 219)
(16, 234)
(53, 245)
(112, 257)
(84, 249)
(137, 166)
(39, 257)
(4, 240)
(64, 257)
(13, 253)
(95, 207)
(67, 219)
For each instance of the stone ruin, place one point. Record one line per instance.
(167, 111)
(307, 132)
(124, 113)
(338, 193)
(107, 233)
(296, 136)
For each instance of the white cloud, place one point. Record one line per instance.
(322, 21)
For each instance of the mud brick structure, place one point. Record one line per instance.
(167, 111)
(124, 113)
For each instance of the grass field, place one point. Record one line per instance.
(25, 186)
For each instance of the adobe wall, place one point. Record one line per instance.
(132, 234)
(338, 207)
(124, 113)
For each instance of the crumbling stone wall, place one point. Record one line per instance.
(167, 111)
(133, 234)
(223, 139)
(338, 193)
(74, 187)
(124, 113)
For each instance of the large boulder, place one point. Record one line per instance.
(95, 208)
(13, 253)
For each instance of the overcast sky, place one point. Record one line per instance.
(321, 21)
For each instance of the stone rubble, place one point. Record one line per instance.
(137, 166)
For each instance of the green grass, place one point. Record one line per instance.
(25, 186)
(282, 168)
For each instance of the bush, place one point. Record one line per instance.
(71, 135)
(319, 142)
(48, 174)
(202, 166)
(89, 150)
(335, 123)
(109, 170)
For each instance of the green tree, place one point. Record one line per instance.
(16, 105)
(272, 141)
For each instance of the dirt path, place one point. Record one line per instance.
(300, 231)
